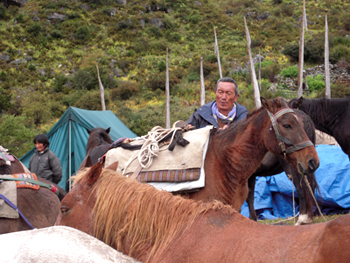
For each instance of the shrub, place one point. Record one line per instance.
(57, 33)
(90, 101)
(59, 82)
(291, 72)
(155, 31)
(161, 65)
(32, 67)
(124, 90)
(339, 52)
(2, 11)
(315, 84)
(82, 33)
(35, 29)
(85, 79)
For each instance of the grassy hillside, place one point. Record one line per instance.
(49, 51)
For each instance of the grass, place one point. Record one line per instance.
(290, 221)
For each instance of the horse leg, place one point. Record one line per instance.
(305, 207)
(250, 198)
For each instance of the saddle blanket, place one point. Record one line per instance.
(9, 190)
(177, 170)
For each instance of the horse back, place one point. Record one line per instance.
(335, 243)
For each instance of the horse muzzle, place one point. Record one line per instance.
(312, 165)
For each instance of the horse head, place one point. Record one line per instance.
(293, 143)
(71, 211)
(296, 103)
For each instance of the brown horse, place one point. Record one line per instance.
(40, 207)
(97, 145)
(273, 164)
(156, 226)
(235, 153)
(331, 116)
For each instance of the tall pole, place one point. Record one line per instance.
(217, 53)
(326, 61)
(102, 92)
(301, 55)
(252, 69)
(259, 71)
(167, 95)
(202, 92)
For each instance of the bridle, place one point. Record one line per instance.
(282, 141)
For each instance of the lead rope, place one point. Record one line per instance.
(293, 198)
(313, 196)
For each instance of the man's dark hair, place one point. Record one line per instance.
(41, 138)
(227, 79)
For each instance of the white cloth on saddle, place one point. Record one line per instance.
(9, 190)
(188, 157)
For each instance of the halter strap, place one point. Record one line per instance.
(282, 141)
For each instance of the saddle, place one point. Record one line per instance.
(156, 162)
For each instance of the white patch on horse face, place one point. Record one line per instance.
(303, 220)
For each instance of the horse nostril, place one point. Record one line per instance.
(312, 165)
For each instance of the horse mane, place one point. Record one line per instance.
(141, 216)
(326, 110)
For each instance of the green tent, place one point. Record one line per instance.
(68, 138)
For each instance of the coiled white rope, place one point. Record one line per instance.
(150, 147)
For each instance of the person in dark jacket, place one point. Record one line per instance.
(44, 162)
(223, 111)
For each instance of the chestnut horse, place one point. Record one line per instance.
(236, 152)
(97, 145)
(331, 116)
(156, 226)
(273, 164)
(40, 207)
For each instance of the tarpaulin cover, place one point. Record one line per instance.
(273, 194)
(76, 121)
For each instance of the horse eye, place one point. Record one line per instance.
(64, 210)
(287, 126)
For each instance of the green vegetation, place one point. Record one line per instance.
(53, 48)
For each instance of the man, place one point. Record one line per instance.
(223, 111)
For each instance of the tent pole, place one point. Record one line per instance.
(70, 154)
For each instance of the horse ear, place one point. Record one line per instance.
(108, 130)
(93, 173)
(113, 166)
(88, 162)
(299, 102)
(264, 102)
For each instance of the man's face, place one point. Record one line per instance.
(225, 97)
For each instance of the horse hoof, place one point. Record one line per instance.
(303, 220)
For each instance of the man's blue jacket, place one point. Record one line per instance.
(203, 116)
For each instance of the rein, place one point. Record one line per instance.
(282, 141)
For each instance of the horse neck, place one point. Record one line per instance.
(237, 151)
(325, 113)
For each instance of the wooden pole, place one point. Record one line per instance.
(326, 61)
(217, 53)
(259, 71)
(102, 92)
(167, 94)
(202, 92)
(301, 56)
(252, 69)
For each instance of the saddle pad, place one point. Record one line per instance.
(181, 158)
(169, 176)
(8, 189)
(23, 184)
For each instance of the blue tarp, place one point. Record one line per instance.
(75, 122)
(273, 194)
